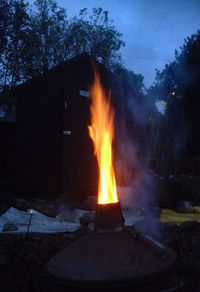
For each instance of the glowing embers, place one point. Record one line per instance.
(102, 132)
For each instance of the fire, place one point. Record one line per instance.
(102, 132)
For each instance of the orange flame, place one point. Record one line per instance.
(102, 132)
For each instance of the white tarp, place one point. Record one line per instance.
(41, 223)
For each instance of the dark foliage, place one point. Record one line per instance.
(178, 85)
(33, 41)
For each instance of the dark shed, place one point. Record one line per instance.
(54, 153)
(7, 146)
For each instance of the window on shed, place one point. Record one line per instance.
(84, 93)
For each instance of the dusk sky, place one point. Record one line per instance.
(152, 29)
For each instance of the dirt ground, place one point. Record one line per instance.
(23, 261)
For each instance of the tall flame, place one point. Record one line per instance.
(102, 132)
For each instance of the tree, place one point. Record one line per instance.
(53, 39)
(179, 86)
(95, 35)
(4, 24)
(14, 23)
(44, 41)
(133, 83)
(34, 41)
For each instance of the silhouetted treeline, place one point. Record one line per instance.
(34, 40)
(177, 132)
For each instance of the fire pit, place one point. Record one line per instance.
(113, 256)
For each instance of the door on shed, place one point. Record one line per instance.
(79, 174)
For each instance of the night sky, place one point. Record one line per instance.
(152, 29)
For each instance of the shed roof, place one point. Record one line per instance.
(65, 66)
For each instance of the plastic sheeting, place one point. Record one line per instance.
(41, 223)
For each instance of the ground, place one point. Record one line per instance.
(26, 260)
(23, 260)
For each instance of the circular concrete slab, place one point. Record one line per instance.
(109, 260)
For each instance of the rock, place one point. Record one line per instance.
(168, 241)
(48, 210)
(67, 213)
(169, 233)
(160, 226)
(49, 206)
(40, 201)
(9, 227)
(190, 264)
(197, 231)
(72, 236)
(87, 218)
(170, 225)
(91, 227)
(62, 200)
(185, 207)
(188, 226)
(195, 245)
(90, 203)
(21, 201)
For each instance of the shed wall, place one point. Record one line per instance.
(38, 140)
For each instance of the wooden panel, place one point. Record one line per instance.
(7, 148)
(79, 166)
(38, 144)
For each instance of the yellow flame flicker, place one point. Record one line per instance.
(101, 131)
